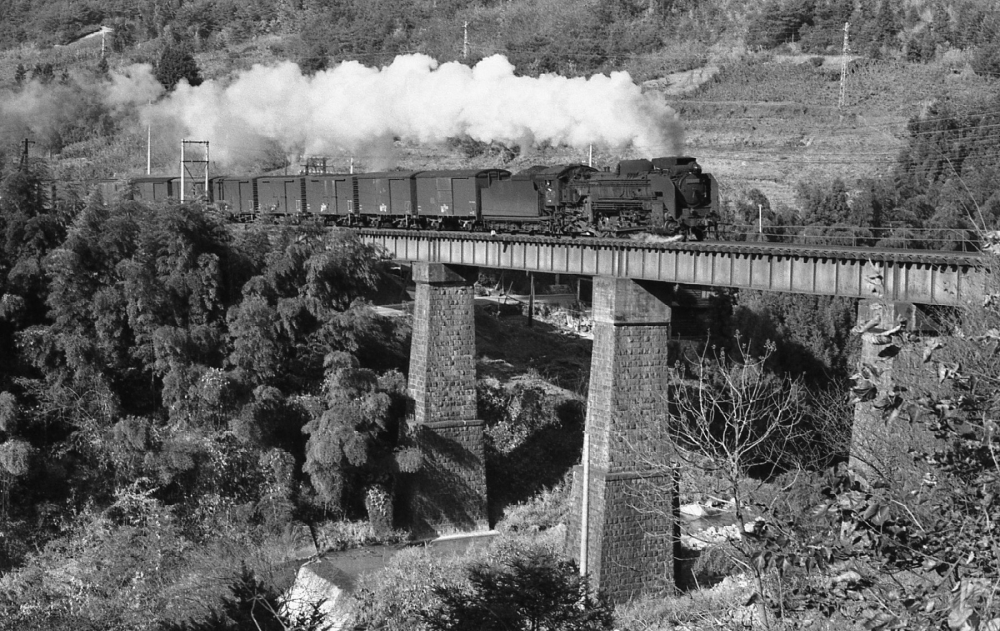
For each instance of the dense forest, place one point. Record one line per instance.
(539, 35)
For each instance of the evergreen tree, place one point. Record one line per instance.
(314, 59)
(176, 63)
(43, 73)
(123, 36)
(823, 206)
(354, 442)
(886, 24)
(300, 308)
(779, 23)
(20, 73)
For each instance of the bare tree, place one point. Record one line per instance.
(733, 424)
(730, 417)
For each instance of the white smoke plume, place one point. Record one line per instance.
(352, 107)
(45, 111)
(132, 86)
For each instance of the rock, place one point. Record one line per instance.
(318, 582)
(693, 511)
(848, 578)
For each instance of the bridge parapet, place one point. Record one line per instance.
(921, 277)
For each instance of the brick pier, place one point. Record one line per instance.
(632, 498)
(449, 492)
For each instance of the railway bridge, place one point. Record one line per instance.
(630, 549)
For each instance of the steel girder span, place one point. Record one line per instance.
(914, 276)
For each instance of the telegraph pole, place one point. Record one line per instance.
(843, 65)
(149, 143)
(465, 40)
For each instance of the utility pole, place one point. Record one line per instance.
(585, 502)
(185, 161)
(465, 40)
(149, 149)
(843, 65)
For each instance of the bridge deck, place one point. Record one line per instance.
(917, 276)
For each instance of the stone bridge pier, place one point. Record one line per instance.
(449, 492)
(630, 518)
(631, 514)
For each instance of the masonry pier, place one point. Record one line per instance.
(449, 493)
(632, 491)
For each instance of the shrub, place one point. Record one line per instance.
(546, 510)
(534, 589)
(391, 600)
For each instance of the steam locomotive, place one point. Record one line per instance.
(665, 196)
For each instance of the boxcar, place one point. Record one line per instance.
(386, 197)
(280, 194)
(110, 189)
(233, 194)
(155, 188)
(454, 198)
(194, 188)
(330, 196)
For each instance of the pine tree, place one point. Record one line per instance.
(886, 24)
(43, 73)
(176, 63)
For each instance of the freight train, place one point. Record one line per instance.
(666, 196)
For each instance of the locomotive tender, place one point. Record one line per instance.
(668, 196)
